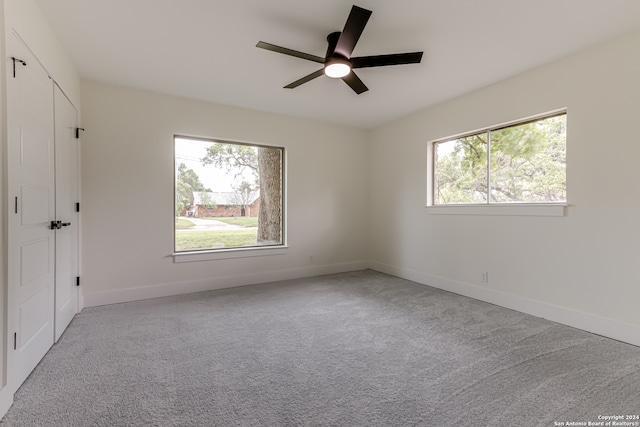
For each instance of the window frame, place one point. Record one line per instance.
(489, 208)
(234, 251)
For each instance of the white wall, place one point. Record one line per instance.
(580, 269)
(24, 17)
(127, 194)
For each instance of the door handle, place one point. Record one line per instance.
(57, 225)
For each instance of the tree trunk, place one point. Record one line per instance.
(269, 218)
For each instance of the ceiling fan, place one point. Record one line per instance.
(338, 62)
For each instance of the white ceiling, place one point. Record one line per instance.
(205, 49)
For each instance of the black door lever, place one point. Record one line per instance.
(57, 225)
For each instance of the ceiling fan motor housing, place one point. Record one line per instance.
(332, 39)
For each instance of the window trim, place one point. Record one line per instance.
(234, 251)
(511, 209)
(488, 208)
(228, 253)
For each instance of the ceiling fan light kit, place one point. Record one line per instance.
(338, 62)
(336, 67)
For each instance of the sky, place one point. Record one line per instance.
(190, 151)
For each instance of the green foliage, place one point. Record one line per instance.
(187, 181)
(182, 223)
(243, 193)
(232, 157)
(243, 221)
(528, 164)
(207, 239)
(462, 172)
(208, 202)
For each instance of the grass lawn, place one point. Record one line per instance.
(183, 223)
(244, 221)
(206, 239)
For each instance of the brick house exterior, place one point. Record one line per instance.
(209, 204)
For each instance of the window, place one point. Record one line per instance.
(519, 163)
(228, 195)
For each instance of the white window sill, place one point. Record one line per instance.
(543, 209)
(217, 254)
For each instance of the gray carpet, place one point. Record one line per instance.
(356, 349)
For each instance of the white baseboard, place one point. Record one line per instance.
(6, 400)
(585, 321)
(169, 289)
(580, 320)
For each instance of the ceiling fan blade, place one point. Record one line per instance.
(305, 79)
(290, 52)
(354, 27)
(383, 60)
(355, 83)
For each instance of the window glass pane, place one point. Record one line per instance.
(528, 162)
(227, 195)
(460, 174)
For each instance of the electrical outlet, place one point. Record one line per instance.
(484, 277)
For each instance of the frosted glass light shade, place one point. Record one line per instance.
(337, 70)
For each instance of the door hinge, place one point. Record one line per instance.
(15, 340)
(14, 64)
(77, 207)
(77, 280)
(78, 132)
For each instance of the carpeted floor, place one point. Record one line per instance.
(355, 349)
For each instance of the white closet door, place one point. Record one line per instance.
(31, 267)
(66, 155)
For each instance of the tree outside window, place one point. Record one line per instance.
(242, 185)
(520, 163)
